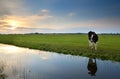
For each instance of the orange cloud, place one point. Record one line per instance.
(22, 21)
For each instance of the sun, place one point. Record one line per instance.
(13, 23)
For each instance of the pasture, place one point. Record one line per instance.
(74, 44)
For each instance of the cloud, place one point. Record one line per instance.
(12, 7)
(27, 22)
(71, 14)
(47, 23)
(45, 11)
(17, 11)
(24, 21)
(22, 30)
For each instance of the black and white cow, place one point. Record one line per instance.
(93, 39)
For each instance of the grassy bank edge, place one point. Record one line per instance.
(76, 52)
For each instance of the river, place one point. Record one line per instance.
(25, 63)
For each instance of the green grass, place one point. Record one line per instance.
(75, 44)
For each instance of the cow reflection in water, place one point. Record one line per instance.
(92, 66)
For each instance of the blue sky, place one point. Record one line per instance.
(59, 16)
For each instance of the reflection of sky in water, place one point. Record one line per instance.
(24, 63)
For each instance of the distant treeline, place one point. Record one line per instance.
(71, 33)
(77, 33)
(109, 33)
(56, 33)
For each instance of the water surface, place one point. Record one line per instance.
(24, 63)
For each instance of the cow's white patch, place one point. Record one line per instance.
(91, 38)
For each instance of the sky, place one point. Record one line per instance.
(59, 16)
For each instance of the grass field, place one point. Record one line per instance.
(75, 44)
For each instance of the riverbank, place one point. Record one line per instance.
(75, 44)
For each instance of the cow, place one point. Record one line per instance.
(93, 39)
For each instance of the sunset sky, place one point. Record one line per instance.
(59, 16)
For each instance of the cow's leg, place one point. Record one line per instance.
(90, 45)
(95, 45)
